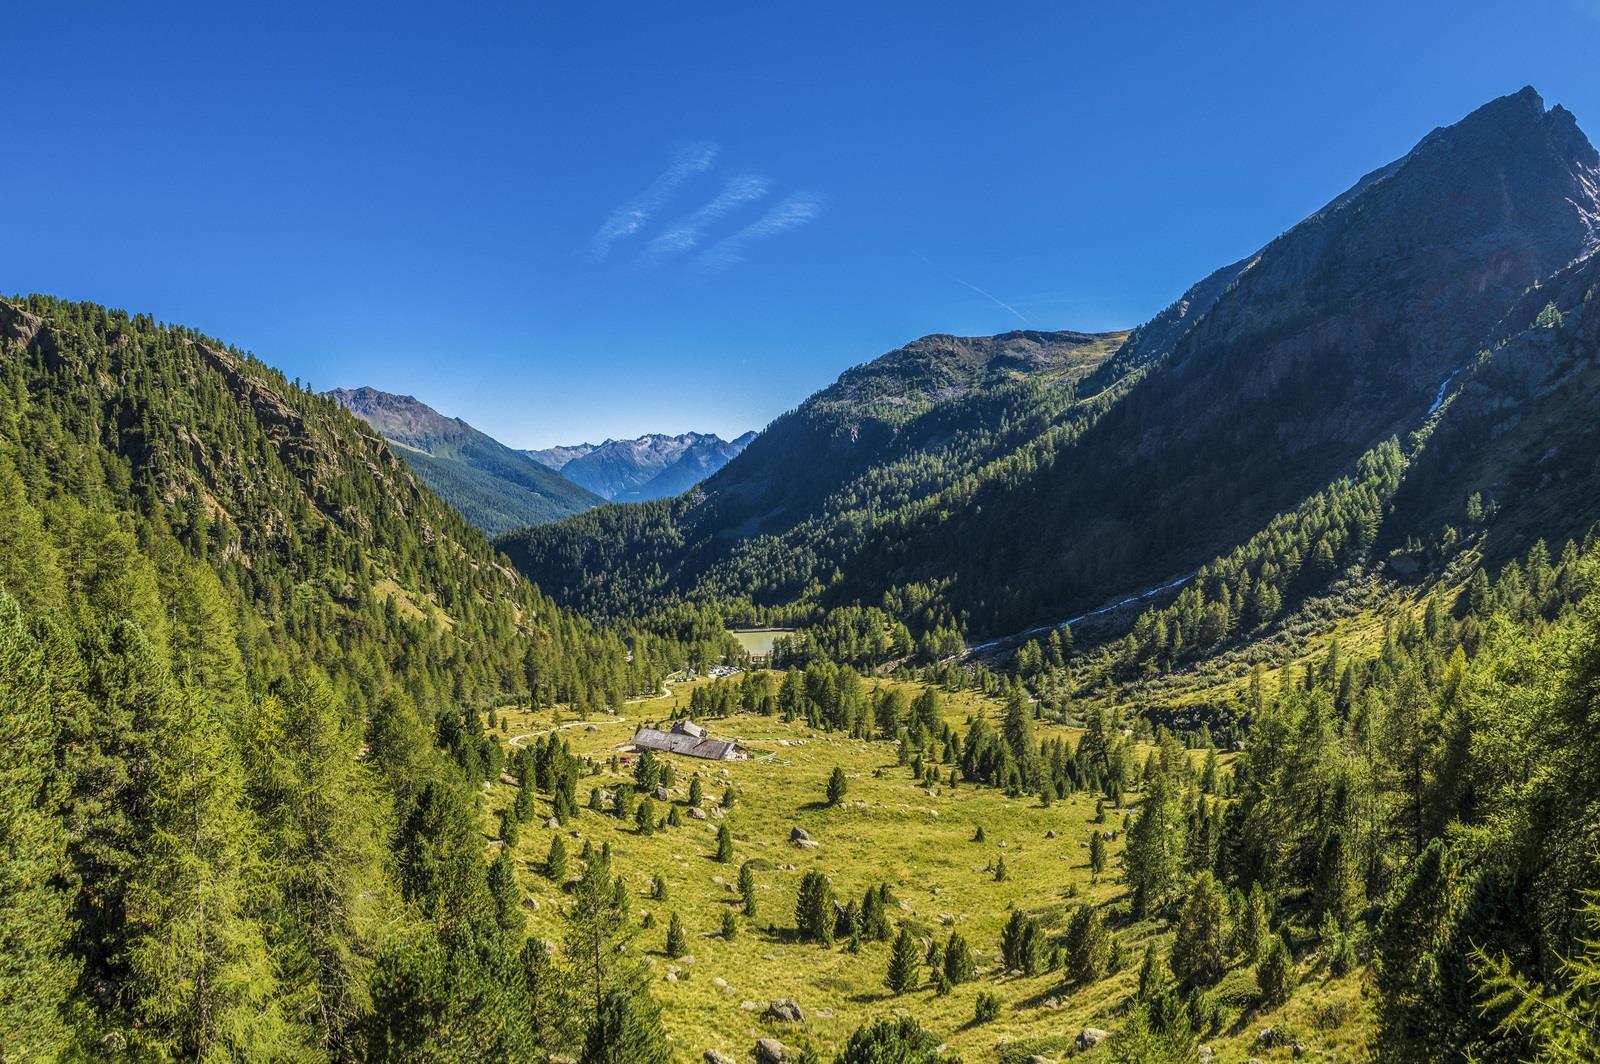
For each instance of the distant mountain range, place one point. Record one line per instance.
(653, 466)
(498, 488)
(495, 487)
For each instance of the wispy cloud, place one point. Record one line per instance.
(686, 233)
(636, 213)
(795, 210)
(1002, 304)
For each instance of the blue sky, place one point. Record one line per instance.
(578, 220)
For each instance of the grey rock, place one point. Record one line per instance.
(770, 1051)
(713, 1056)
(1090, 1037)
(785, 1010)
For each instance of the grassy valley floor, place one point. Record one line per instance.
(888, 828)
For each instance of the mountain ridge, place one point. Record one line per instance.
(494, 486)
(652, 466)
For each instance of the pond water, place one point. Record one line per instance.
(758, 641)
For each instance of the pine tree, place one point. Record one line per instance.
(626, 1030)
(1097, 855)
(1252, 932)
(503, 893)
(327, 829)
(724, 844)
(813, 913)
(644, 817)
(677, 942)
(1200, 941)
(836, 786)
(730, 925)
(747, 890)
(1275, 974)
(203, 981)
(36, 974)
(1154, 854)
(958, 963)
(555, 863)
(904, 963)
(696, 794)
(1087, 946)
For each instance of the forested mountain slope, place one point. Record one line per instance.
(886, 435)
(1265, 383)
(243, 655)
(495, 487)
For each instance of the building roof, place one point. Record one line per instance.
(677, 742)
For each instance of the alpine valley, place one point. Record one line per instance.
(1222, 689)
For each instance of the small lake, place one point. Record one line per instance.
(758, 641)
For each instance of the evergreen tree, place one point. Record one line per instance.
(626, 1030)
(1154, 854)
(1275, 974)
(1097, 855)
(503, 893)
(36, 973)
(958, 963)
(813, 913)
(677, 942)
(904, 963)
(724, 844)
(1199, 944)
(1088, 946)
(204, 977)
(747, 890)
(555, 863)
(836, 786)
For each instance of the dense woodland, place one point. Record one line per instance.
(245, 659)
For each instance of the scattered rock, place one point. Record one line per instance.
(663, 795)
(1299, 1049)
(799, 834)
(1205, 1054)
(1038, 1059)
(1268, 1037)
(1090, 1037)
(770, 1051)
(1050, 834)
(785, 1010)
(808, 844)
(712, 1056)
(592, 727)
(719, 981)
(697, 813)
(750, 1006)
(553, 824)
